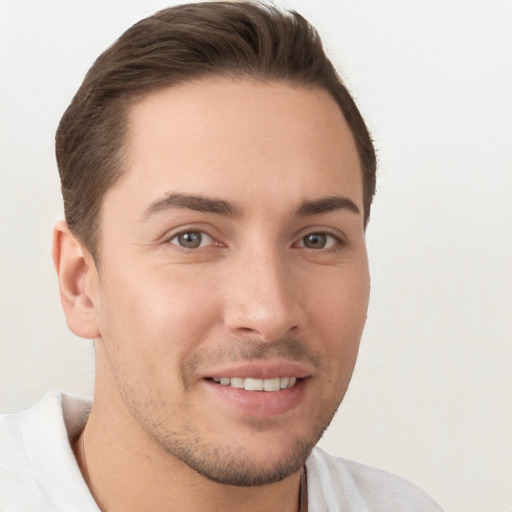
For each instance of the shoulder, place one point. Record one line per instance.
(57, 416)
(36, 459)
(340, 484)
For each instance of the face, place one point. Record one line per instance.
(233, 283)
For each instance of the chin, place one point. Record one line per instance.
(238, 466)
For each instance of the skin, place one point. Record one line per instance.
(259, 294)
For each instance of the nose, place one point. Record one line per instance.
(262, 299)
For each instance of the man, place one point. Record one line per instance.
(217, 180)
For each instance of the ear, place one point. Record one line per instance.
(78, 282)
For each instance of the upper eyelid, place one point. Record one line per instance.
(334, 232)
(211, 242)
(177, 231)
(216, 236)
(338, 242)
(171, 236)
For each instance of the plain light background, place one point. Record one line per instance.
(432, 393)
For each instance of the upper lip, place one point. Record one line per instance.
(261, 370)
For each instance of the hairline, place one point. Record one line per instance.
(126, 103)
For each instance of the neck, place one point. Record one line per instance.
(126, 471)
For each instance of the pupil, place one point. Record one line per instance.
(190, 240)
(315, 241)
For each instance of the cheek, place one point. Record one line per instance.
(155, 319)
(340, 309)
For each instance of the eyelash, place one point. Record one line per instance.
(337, 242)
(202, 235)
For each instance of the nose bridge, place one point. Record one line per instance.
(263, 297)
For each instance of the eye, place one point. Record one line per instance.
(192, 240)
(318, 241)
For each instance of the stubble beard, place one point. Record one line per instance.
(234, 465)
(224, 463)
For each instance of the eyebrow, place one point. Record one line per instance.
(327, 204)
(191, 202)
(211, 205)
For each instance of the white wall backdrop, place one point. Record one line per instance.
(431, 397)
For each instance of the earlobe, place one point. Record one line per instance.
(78, 282)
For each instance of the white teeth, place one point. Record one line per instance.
(253, 384)
(250, 384)
(237, 382)
(272, 384)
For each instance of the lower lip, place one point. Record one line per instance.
(260, 404)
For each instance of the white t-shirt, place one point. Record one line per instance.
(38, 471)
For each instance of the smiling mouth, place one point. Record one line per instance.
(250, 384)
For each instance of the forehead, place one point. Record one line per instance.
(239, 136)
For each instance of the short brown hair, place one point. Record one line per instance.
(177, 45)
